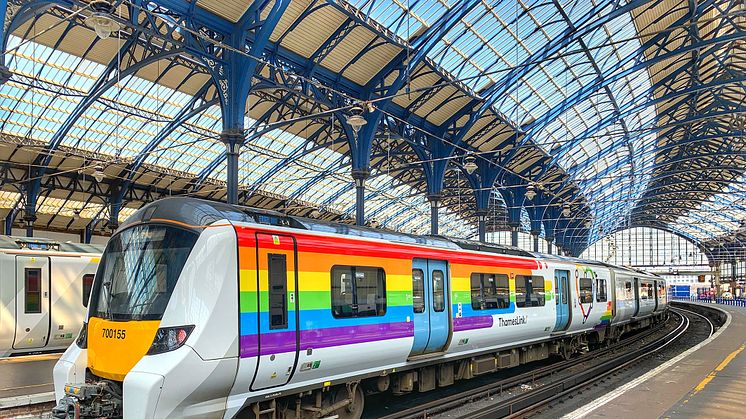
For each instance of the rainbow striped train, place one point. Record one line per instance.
(202, 309)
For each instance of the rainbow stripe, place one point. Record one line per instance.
(316, 255)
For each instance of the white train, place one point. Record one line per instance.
(202, 309)
(44, 289)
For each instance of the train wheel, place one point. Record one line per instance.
(354, 410)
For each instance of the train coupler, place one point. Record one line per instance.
(90, 400)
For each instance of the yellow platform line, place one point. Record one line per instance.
(717, 369)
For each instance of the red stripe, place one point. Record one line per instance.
(362, 247)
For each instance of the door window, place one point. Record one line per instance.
(418, 290)
(33, 291)
(278, 283)
(439, 294)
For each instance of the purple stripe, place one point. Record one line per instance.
(471, 322)
(279, 342)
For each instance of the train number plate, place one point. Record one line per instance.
(113, 333)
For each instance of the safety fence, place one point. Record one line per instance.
(738, 302)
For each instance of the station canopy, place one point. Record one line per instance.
(624, 113)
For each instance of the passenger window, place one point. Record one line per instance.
(418, 290)
(87, 286)
(33, 291)
(489, 291)
(643, 291)
(628, 290)
(358, 291)
(278, 291)
(651, 292)
(529, 291)
(586, 290)
(520, 291)
(439, 293)
(601, 290)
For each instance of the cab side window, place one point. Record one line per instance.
(87, 286)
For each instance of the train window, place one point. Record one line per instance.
(358, 291)
(87, 286)
(489, 291)
(278, 291)
(439, 292)
(586, 290)
(601, 290)
(627, 290)
(33, 291)
(418, 290)
(661, 290)
(529, 291)
(643, 291)
(651, 291)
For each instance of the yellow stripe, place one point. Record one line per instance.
(717, 369)
(316, 281)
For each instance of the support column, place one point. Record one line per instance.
(514, 233)
(482, 219)
(549, 244)
(434, 206)
(115, 205)
(360, 175)
(233, 141)
(9, 221)
(535, 235)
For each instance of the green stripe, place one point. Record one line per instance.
(313, 300)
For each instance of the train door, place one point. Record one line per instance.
(636, 286)
(32, 302)
(278, 316)
(432, 321)
(562, 299)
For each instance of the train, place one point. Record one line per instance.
(204, 309)
(44, 290)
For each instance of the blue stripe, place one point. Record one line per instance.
(322, 319)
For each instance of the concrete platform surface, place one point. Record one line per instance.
(708, 381)
(21, 376)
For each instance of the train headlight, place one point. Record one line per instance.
(82, 340)
(169, 338)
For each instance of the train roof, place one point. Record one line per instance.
(37, 243)
(196, 213)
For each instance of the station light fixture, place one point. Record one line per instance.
(76, 214)
(101, 19)
(470, 164)
(588, 223)
(315, 214)
(374, 224)
(355, 120)
(98, 173)
(530, 192)
(566, 210)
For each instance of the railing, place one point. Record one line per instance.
(738, 302)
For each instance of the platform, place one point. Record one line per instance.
(707, 381)
(27, 375)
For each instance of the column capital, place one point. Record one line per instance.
(434, 199)
(233, 139)
(361, 174)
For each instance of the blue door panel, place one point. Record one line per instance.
(420, 303)
(562, 299)
(431, 302)
(439, 315)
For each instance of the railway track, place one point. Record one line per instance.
(534, 400)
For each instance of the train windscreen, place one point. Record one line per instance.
(139, 270)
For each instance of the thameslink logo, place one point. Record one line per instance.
(512, 322)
